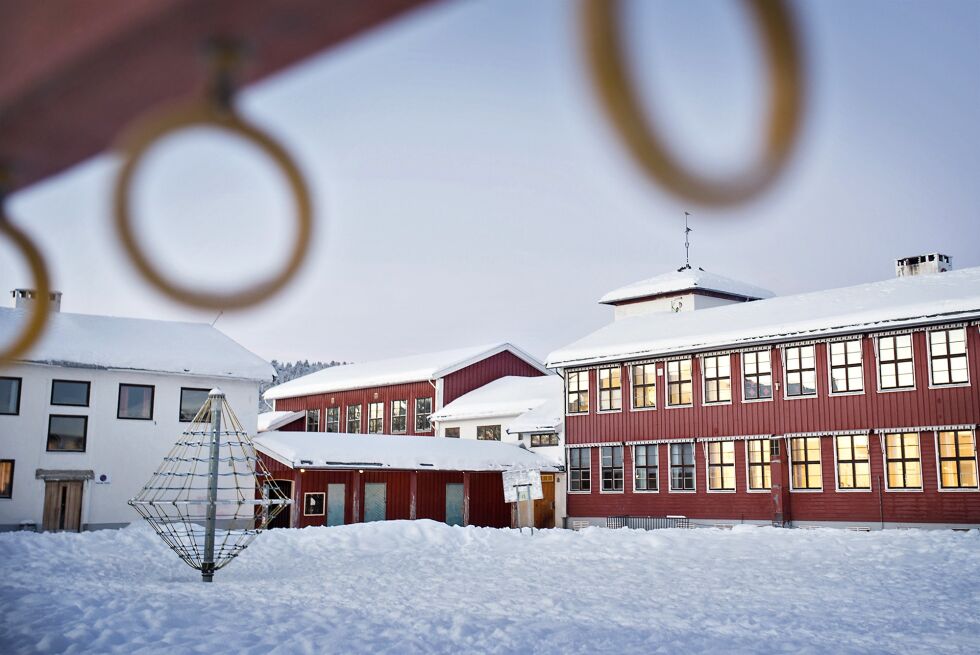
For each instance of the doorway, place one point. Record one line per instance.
(544, 509)
(375, 501)
(284, 518)
(62, 506)
(336, 501)
(454, 503)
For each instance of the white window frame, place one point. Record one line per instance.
(830, 371)
(569, 472)
(877, 342)
(707, 468)
(939, 468)
(656, 450)
(392, 422)
(704, 382)
(816, 372)
(789, 458)
(966, 341)
(588, 392)
(326, 415)
(360, 419)
(324, 504)
(667, 402)
(772, 377)
(656, 387)
(884, 463)
(381, 404)
(611, 491)
(598, 389)
(748, 468)
(694, 467)
(837, 486)
(415, 413)
(306, 420)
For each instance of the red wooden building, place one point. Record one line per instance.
(395, 396)
(855, 406)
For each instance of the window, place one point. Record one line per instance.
(807, 472)
(73, 393)
(853, 462)
(717, 379)
(67, 433)
(191, 402)
(757, 375)
(135, 402)
(947, 356)
(353, 419)
(612, 468)
(610, 389)
(399, 416)
(644, 386)
(679, 383)
(314, 503)
(376, 418)
(10, 395)
(801, 372)
(895, 370)
(721, 465)
(682, 467)
(957, 460)
(846, 369)
(903, 468)
(577, 384)
(645, 468)
(423, 408)
(488, 432)
(544, 439)
(312, 420)
(452, 433)
(579, 469)
(6, 478)
(333, 419)
(759, 455)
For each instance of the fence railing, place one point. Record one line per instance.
(648, 522)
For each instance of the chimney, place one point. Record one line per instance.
(24, 298)
(923, 265)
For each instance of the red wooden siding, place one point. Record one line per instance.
(487, 370)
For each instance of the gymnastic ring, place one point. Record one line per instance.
(606, 57)
(134, 145)
(41, 306)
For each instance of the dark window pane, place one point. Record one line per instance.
(67, 433)
(135, 401)
(191, 402)
(9, 395)
(69, 392)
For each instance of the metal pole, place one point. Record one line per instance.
(207, 565)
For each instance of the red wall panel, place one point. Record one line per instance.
(478, 374)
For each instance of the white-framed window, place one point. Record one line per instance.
(759, 455)
(957, 460)
(544, 439)
(312, 420)
(610, 389)
(314, 503)
(680, 384)
(807, 471)
(644, 380)
(580, 470)
(903, 461)
(646, 468)
(376, 418)
(682, 467)
(896, 369)
(716, 371)
(853, 462)
(423, 409)
(399, 416)
(611, 468)
(333, 419)
(801, 371)
(846, 366)
(577, 392)
(757, 375)
(353, 419)
(947, 357)
(721, 466)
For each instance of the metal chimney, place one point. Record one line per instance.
(25, 298)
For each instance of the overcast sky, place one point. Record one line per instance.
(468, 189)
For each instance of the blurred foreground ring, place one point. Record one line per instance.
(39, 309)
(146, 134)
(606, 57)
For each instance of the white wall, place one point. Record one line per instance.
(688, 302)
(128, 451)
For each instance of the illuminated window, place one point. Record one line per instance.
(452, 433)
(577, 385)
(756, 375)
(902, 461)
(488, 432)
(717, 374)
(679, 384)
(612, 468)
(801, 371)
(6, 478)
(645, 468)
(957, 460)
(333, 419)
(376, 418)
(895, 370)
(423, 408)
(807, 472)
(947, 356)
(721, 465)
(610, 389)
(846, 369)
(644, 386)
(853, 462)
(760, 452)
(579, 469)
(399, 416)
(353, 419)
(312, 420)
(682, 467)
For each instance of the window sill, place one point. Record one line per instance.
(806, 491)
(896, 390)
(951, 385)
(904, 491)
(720, 403)
(965, 490)
(757, 400)
(809, 396)
(688, 406)
(836, 394)
(642, 409)
(683, 491)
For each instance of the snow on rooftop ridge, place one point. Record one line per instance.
(506, 396)
(549, 416)
(399, 452)
(890, 303)
(399, 370)
(269, 421)
(686, 279)
(112, 342)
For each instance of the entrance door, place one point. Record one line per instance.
(375, 501)
(454, 503)
(544, 509)
(62, 505)
(283, 518)
(335, 503)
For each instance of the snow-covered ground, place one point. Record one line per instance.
(401, 587)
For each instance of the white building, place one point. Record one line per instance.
(90, 413)
(520, 410)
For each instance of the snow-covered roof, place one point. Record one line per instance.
(110, 342)
(506, 396)
(549, 416)
(376, 451)
(686, 279)
(269, 421)
(892, 303)
(401, 370)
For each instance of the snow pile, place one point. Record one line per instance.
(422, 587)
(549, 416)
(506, 396)
(686, 279)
